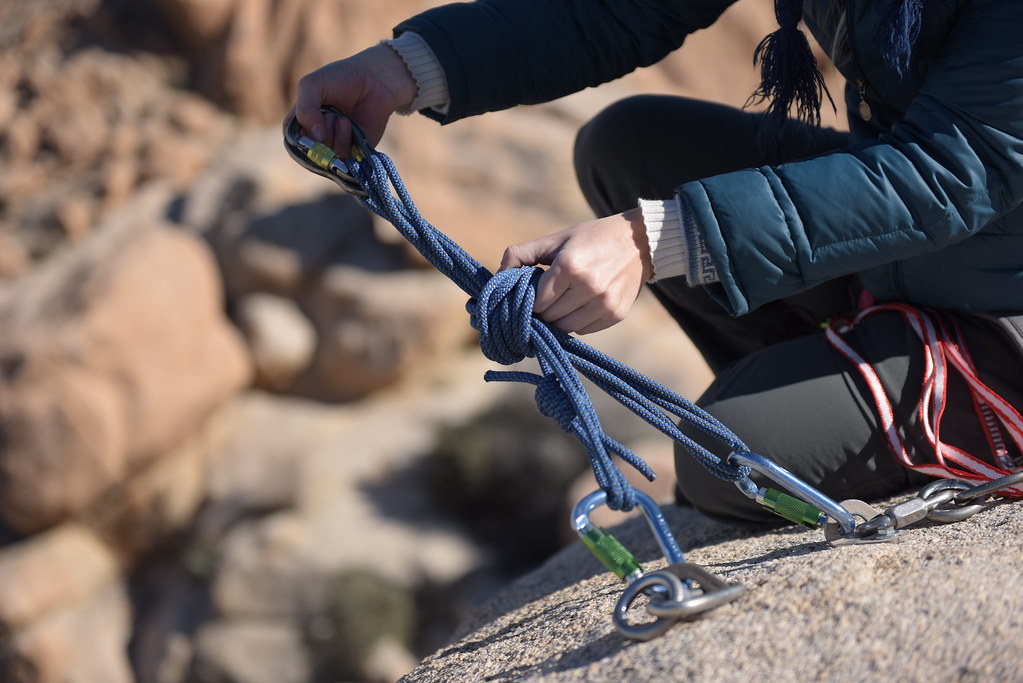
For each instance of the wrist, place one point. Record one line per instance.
(392, 70)
(421, 64)
(634, 217)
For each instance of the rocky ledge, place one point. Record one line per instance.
(943, 604)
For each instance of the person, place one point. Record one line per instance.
(754, 228)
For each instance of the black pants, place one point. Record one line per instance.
(779, 384)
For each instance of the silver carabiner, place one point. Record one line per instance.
(606, 547)
(671, 590)
(795, 510)
(982, 491)
(315, 156)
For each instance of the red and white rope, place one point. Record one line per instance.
(942, 350)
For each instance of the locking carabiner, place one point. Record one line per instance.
(811, 508)
(672, 592)
(608, 549)
(322, 160)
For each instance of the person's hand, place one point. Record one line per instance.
(597, 270)
(369, 87)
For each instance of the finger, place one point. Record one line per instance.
(341, 136)
(572, 299)
(308, 101)
(555, 297)
(287, 117)
(534, 253)
(518, 255)
(597, 326)
(582, 319)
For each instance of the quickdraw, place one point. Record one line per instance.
(682, 590)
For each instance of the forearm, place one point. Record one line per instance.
(676, 245)
(498, 54)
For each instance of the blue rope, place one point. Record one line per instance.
(500, 308)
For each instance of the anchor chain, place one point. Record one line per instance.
(943, 500)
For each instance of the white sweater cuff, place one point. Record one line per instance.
(664, 233)
(676, 243)
(425, 69)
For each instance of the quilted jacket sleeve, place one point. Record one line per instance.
(500, 53)
(949, 169)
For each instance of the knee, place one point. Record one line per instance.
(601, 146)
(648, 145)
(715, 498)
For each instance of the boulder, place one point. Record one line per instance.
(112, 355)
(943, 604)
(377, 327)
(85, 127)
(55, 588)
(251, 651)
(282, 339)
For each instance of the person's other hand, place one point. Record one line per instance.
(597, 270)
(368, 87)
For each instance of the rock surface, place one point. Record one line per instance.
(944, 604)
(54, 589)
(112, 355)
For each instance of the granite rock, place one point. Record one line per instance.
(941, 605)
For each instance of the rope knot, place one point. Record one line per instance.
(503, 315)
(553, 402)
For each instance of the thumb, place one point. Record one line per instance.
(533, 253)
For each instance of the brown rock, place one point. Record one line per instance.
(80, 643)
(258, 468)
(200, 22)
(252, 651)
(113, 355)
(878, 612)
(14, 259)
(64, 613)
(66, 565)
(281, 337)
(377, 327)
(160, 498)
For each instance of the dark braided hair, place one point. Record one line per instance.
(789, 76)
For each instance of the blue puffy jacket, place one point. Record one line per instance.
(924, 204)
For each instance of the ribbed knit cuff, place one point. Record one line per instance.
(664, 233)
(699, 265)
(425, 69)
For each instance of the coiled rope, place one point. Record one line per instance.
(500, 308)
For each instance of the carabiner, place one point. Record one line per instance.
(810, 509)
(671, 590)
(982, 491)
(606, 547)
(322, 160)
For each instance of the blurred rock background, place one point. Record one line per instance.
(244, 435)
